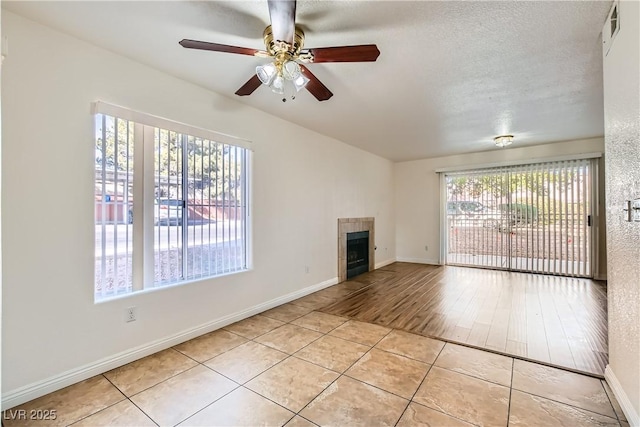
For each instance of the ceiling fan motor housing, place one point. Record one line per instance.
(276, 47)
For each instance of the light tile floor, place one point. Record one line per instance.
(297, 367)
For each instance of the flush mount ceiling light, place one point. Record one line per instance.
(503, 140)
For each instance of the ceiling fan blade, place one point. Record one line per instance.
(360, 53)
(283, 16)
(315, 86)
(195, 44)
(249, 87)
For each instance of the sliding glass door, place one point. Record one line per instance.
(533, 217)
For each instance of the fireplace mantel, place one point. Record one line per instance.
(352, 225)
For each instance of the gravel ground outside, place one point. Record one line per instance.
(525, 241)
(203, 261)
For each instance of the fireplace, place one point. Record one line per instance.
(361, 232)
(357, 253)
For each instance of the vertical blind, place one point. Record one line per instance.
(534, 218)
(200, 207)
(113, 201)
(169, 206)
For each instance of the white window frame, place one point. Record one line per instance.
(143, 262)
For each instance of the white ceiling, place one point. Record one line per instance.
(450, 76)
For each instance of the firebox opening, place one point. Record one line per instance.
(357, 253)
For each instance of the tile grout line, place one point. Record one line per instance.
(223, 352)
(273, 348)
(259, 335)
(206, 406)
(610, 402)
(343, 374)
(378, 387)
(609, 397)
(471, 376)
(410, 400)
(243, 385)
(513, 364)
(175, 375)
(98, 411)
(562, 403)
(281, 361)
(129, 399)
(565, 404)
(290, 354)
(418, 388)
(239, 385)
(423, 380)
(315, 330)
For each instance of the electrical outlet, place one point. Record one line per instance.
(306, 269)
(4, 47)
(130, 314)
(426, 248)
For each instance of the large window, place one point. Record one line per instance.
(170, 206)
(532, 217)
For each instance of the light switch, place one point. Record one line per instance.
(635, 210)
(632, 210)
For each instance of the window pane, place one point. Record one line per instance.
(167, 209)
(216, 209)
(113, 206)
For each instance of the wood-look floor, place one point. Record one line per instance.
(555, 320)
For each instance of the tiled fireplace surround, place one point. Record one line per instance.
(353, 225)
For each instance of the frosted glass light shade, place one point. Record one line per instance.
(266, 73)
(290, 70)
(300, 82)
(277, 86)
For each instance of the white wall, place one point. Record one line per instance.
(417, 192)
(622, 148)
(303, 182)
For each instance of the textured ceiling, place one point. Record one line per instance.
(451, 75)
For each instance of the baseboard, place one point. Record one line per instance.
(602, 277)
(72, 376)
(625, 403)
(419, 260)
(384, 263)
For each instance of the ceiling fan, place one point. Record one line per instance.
(284, 42)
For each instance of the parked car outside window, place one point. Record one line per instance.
(503, 217)
(168, 211)
(464, 207)
(165, 212)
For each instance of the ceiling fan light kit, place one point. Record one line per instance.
(283, 75)
(503, 140)
(284, 42)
